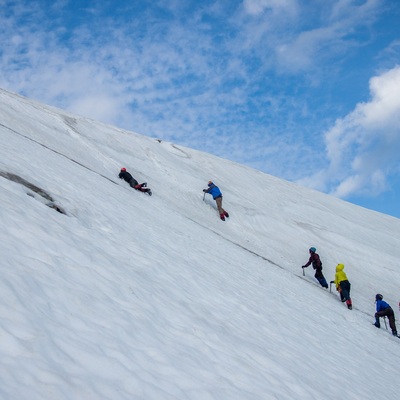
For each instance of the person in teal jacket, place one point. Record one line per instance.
(383, 309)
(217, 196)
(343, 285)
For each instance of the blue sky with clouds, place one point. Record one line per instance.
(307, 90)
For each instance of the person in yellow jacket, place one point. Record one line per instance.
(343, 285)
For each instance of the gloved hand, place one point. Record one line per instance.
(204, 190)
(332, 281)
(303, 266)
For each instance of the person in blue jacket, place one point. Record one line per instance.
(217, 196)
(383, 309)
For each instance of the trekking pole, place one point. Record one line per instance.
(330, 286)
(204, 195)
(304, 274)
(384, 318)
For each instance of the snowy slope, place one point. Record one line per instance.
(128, 296)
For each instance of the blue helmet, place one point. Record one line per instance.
(313, 249)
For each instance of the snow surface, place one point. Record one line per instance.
(135, 297)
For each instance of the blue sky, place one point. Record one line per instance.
(308, 91)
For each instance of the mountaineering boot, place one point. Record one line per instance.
(222, 216)
(394, 333)
(144, 184)
(226, 214)
(377, 323)
(148, 191)
(349, 305)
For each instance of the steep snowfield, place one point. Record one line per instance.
(128, 296)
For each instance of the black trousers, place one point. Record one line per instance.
(388, 312)
(345, 290)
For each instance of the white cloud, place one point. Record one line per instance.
(256, 7)
(356, 184)
(330, 31)
(299, 53)
(383, 111)
(362, 148)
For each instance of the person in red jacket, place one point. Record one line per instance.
(317, 265)
(127, 177)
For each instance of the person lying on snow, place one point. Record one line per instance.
(127, 177)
